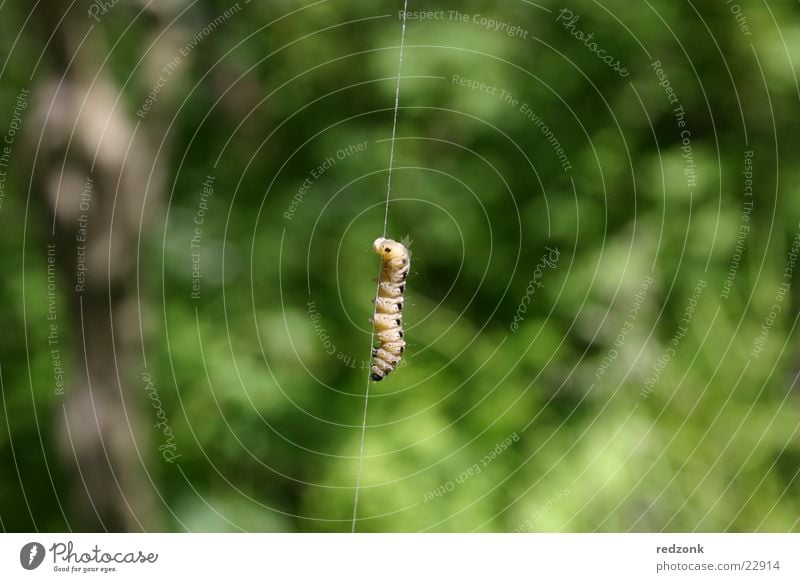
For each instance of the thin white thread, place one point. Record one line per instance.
(394, 121)
(377, 288)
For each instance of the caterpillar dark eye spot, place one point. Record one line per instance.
(388, 319)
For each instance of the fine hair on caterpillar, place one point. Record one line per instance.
(387, 320)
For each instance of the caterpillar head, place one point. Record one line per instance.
(389, 249)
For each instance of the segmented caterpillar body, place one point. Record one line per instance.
(388, 317)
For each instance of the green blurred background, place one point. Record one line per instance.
(644, 386)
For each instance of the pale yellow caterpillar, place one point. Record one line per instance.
(388, 317)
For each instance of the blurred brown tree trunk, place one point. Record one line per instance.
(96, 179)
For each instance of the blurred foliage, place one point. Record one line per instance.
(268, 423)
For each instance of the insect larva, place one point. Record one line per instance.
(388, 317)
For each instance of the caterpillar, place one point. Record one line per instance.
(387, 320)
